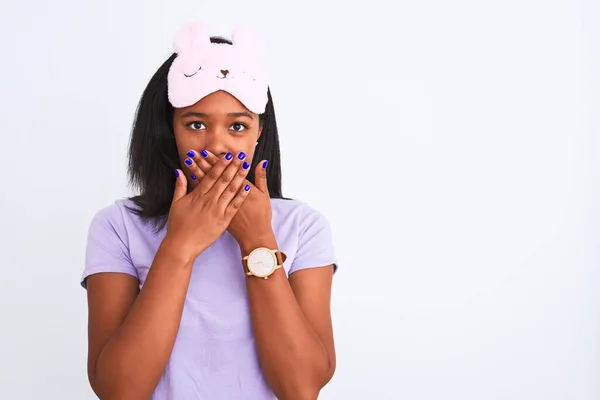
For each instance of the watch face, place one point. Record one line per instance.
(261, 262)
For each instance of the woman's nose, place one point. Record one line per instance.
(217, 146)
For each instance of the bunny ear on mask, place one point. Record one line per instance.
(195, 35)
(202, 68)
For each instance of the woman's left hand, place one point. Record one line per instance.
(252, 222)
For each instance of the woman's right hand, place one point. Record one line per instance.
(198, 218)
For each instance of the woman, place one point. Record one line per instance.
(208, 284)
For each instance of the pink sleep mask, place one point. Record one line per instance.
(202, 68)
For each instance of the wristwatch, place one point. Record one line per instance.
(263, 262)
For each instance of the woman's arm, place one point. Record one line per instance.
(131, 332)
(293, 329)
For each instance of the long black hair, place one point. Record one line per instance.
(153, 155)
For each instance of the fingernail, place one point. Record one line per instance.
(245, 165)
(193, 177)
(265, 164)
(228, 156)
(247, 187)
(188, 161)
(191, 153)
(176, 173)
(242, 155)
(204, 153)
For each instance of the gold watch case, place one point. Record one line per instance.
(262, 262)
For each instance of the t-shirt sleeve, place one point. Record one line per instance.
(315, 242)
(107, 249)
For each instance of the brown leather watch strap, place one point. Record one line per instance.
(281, 257)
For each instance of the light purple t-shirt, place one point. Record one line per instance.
(214, 356)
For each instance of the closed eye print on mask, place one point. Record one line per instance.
(189, 76)
(199, 126)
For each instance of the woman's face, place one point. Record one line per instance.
(218, 123)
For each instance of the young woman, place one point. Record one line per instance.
(208, 284)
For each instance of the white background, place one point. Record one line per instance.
(451, 144)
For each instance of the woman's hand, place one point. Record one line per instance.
(198, 218)
(252, 222)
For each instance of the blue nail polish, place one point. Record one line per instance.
(176, 174)
(228, 156)
(245, 165)
(188, 161)
(204, 153)
(191, 153)
(265, 164)
(247, 187)
(242, 155)
(193, 177)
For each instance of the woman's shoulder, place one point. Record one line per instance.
(287, 208)
(117, 212)
(121, 217)
(301, 216)
(109, 238)
(306, 226)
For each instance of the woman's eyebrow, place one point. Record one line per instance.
(240, 114)
(194, 114)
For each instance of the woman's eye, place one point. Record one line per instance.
(237, 127)
(197, 126)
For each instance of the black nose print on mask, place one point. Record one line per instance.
(224, 72)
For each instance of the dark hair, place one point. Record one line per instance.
(153, 155)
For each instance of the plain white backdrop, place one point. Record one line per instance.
(452, 146)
